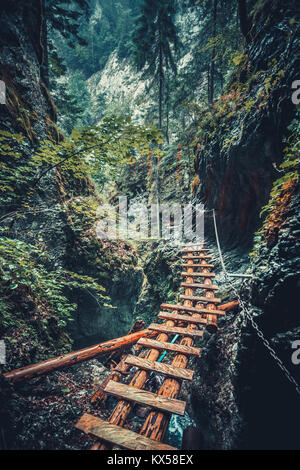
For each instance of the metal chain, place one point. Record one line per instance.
(249, 317)
(266, 343)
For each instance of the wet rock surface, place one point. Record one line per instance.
(41, 413)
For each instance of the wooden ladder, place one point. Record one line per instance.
(184, 320)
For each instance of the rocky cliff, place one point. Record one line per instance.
(238, 396)
(54, 215)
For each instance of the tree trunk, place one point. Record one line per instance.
(160, 84)
(211, 77)
(244, 21)
(44, 45)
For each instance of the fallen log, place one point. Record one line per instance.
(75, 357)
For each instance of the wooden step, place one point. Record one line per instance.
(199, 286)
(185, 274)
(174, 330)
(194, 244)
(117, 435)
(185, 308)
(173, 347)
(208, 266)
(164, 369)
(185, 318)
(195, 298)
(197, 257)
(142, 397)
(194, 250)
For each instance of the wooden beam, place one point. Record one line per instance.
(186, 245)
(209, 266)
(75, 357)
(175, 330)
(117, 435)
(182, 308)
(229, 306)
(197, 257)
(195, 298)
(184, 318)
(199, 286)
(160, 368)
(198, 274)
(194, 250)
(173, 347)
(146, 398)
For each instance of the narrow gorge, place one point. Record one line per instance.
(174, 103)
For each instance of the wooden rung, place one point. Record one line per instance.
(199, 286)
(173, 347)
(143, 397)
(117, 435)
(208, 266)
(184, 318)
(164, 369)
(213, 300)
(185, 308)
(194, 250)
(197, 257)
(185, 274)
(194, 244)
(175, 330)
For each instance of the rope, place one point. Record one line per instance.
(248, 316)
(218, 245)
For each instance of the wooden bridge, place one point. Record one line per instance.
(186, 321)
(183, 325)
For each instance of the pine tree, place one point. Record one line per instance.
(155, 41)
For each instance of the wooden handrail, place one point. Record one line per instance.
(75, 357)
(229, 306)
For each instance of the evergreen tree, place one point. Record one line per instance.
(155, 41)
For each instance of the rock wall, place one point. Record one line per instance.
(58, 228)
(242, 398)
(245, 129)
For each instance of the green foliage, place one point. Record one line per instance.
(106, 29)
(155, 39)
(98, 151)
(23, 268)
(14, 175)
(66, 20)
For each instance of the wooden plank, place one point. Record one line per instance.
(173, 347)
(209, 266)
(160, 368)
(117, 435)
(199, 311)
(197, 274)
(194, 244)
(196, 298)
(194, 250)
(143, 397)
(199, 286)
(175, 330)
(197, 257)
(185, 318)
